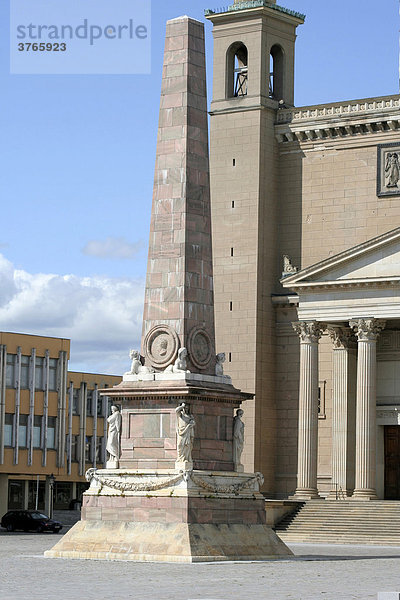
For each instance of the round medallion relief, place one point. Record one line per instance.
(161, 345)
(200, 347)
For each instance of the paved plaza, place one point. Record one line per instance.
(326, 572)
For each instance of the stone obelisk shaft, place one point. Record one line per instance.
(179, 286)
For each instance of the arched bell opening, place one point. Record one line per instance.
(276, 73)
(237, 71)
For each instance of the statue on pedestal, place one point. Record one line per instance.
(238, 440)
(114, 438)
(185, 434)
(180, 365)
(219, 367)
(136, 365)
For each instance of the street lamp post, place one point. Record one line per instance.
(52, 480)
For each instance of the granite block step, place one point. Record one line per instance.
(343, 522)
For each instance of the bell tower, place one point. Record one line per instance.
(254, 47)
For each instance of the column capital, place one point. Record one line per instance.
(342, 338)
(367, 330)
(309, 332)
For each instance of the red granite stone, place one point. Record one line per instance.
(182, 140)
(134, 501)
(179, 284)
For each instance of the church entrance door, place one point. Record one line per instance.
(392, 462)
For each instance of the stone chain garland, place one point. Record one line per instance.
(227, 489)
(183, 475)
(122, 486)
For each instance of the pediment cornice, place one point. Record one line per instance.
(349, 284)
(315, 276)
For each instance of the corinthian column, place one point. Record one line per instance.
(367, 331)
(343, 411)
(309, 333)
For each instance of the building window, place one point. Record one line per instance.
(24, 383)
(10, 373)
(51, 433)
(80, 489)
(8, 429)
(39, 373)
(74, 448)
(37, 431)
(99, 446)
(89, 402)
(76, 402)
(36, 491)
(53, 374)
(237, 71)
(99, 406)
(62, 495)
(23, 431)
(16, 494)
(88, 448)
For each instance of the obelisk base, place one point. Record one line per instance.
(171, 516)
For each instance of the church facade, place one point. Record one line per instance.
(306, 250)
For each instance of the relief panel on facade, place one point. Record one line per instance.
(388, 181)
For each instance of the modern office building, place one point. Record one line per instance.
(52, 423)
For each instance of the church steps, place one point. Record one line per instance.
(343, 522)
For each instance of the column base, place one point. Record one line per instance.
(339, 495)
(305, 494)
(364, 494)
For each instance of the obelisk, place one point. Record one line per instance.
(179, 305)
(180, 493)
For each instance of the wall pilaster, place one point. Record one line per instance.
(343, 411)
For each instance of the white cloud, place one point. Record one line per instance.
(113, 247)
(101, 315)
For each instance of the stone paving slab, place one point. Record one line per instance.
(316, 572)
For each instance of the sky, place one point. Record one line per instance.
(77, 157)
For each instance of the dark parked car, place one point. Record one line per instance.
(29, 520)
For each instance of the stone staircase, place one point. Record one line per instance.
(342, 522)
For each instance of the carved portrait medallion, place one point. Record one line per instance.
(200, 347)
(388, 181)
(161, 346)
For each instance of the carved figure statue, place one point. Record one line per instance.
(180, 365)
(238, 437)
(185, 433)
(219, 367)
(288, 268)
(134, 355)
(136, 366)
(392, 170)
(114, 434)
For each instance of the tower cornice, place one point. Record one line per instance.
(254, 6)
